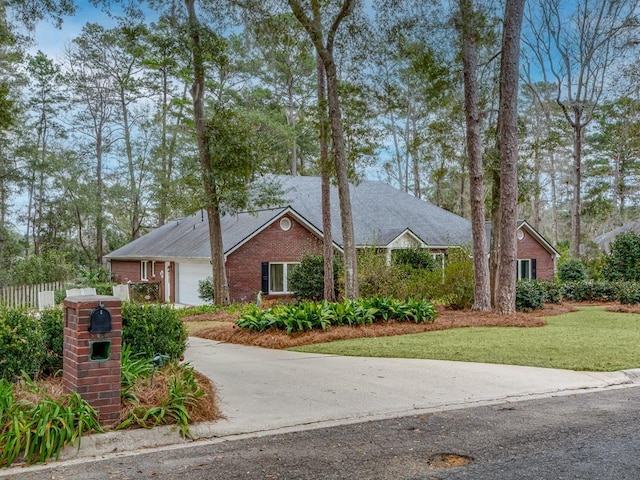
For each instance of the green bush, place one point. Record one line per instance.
(415, 258)
(552, 291)
(205, 289)
(152, 329)
(458, 287)
(52, 266)
(624, 260)
(590, 291)
(529, 295)
(572, 271)
(629, 293)
(52, 331)
(21, 348)
(321, 315)
(306, 281)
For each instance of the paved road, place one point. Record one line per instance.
(583, 436)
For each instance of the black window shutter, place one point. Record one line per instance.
(533, 269)
(265, 277)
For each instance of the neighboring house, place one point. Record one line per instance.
(605, 240)
(262, 247)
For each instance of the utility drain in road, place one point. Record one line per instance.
(448, 460)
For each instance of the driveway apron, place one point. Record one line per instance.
(264, 390)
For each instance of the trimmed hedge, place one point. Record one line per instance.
(152, 329)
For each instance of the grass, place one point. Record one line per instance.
(589, 339)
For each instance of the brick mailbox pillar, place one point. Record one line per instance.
(91, 352)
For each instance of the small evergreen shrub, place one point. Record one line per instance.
(153, 329)
(415, 258)
(623, 261)
(21, 348)
(205, 289)
(306, 281)
(529, 295)
(590, 291)
(552, 291)
(572, 271)
(629, 293)
(52, 330)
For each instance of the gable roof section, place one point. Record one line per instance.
(524, 225)
(604, 241)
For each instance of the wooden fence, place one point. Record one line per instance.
(26, 295)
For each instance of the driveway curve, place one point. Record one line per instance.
(266, 391)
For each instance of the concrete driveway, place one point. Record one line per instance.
(264, 390)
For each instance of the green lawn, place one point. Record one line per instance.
(589, 339)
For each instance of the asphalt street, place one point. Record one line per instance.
(579, 436)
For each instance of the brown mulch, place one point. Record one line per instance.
(623, 308)
(446, 319)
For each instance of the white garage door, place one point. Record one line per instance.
(187, 277)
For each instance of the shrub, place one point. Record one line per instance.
(588, 291)
(153, 329)
(629, 293)
(21, 347)
(52, 328)
(458, 287)
(205, 289)
(415, 258)
(572, 271)
(623, 261)
(529, 295)
(552, 291)
(306, 281)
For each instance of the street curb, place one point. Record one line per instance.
(633, 375)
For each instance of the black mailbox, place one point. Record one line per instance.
(100, 320)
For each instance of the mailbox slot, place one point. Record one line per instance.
(99, 351)
(100, 320)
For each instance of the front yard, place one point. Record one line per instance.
(587, 338)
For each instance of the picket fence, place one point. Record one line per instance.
(26, 295)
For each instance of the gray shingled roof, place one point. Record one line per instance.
(380, 213)
(604, 241)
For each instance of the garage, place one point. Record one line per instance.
(187, 277)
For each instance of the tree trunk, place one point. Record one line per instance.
(325, 52)
(508, 112)
(576, 205)
(482, 296)
(325, 167)
(220, 286)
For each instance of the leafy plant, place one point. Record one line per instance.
(175, 398)
(415, 258)
(52, 332)
(529, 295)
(321, 315)
(152, 329)
(205, 289)
(572, 271)
(39, 431)
(21, 348)
(307, 280)
(623, 261)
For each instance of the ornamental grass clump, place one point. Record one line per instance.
(305, 316)
(36, 424)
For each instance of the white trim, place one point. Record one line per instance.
(144, 270)
(285, 274)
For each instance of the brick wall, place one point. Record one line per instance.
(529, 248)
(125, 271)
(244, 266)
(98, 382)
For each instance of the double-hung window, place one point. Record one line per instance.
(144, 270)
(276, 275)
(526, 269)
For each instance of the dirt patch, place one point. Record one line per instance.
(619, 308)
(446, 319)
(449, 460)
